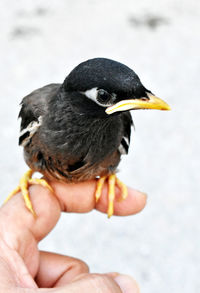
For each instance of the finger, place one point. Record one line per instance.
(67, 268)
(133, 204)
(80, 198)
(68, 197)
(21, 231)
(96, 283)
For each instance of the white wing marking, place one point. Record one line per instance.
(29, 131)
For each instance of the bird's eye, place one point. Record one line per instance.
(103, 97)
(100, 96)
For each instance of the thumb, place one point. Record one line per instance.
(96, 283)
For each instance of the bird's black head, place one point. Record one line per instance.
(105, 86)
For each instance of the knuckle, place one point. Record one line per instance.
(105, 283)
(81, 266)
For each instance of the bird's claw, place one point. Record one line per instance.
(24, 183)
(112, 181)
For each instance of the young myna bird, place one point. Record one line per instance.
(78, 130)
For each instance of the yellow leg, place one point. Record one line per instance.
(100, 184)
(112, 181)
(24, 183)
(111, 195)
(123, 188)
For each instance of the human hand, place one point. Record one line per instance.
(25, 269)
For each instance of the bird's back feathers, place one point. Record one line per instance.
(33, 107)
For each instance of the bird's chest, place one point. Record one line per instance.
(79, 137)
(105, 139)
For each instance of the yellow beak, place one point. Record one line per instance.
(151, 103)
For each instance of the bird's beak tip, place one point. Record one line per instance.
(168, 108)
(130, 104)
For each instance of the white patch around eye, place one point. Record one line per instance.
(92, 95)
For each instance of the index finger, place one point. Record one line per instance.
(77, 198)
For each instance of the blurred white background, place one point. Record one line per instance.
(40, 42)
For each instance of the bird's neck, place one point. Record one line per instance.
(68, 109)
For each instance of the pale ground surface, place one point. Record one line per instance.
(41, 43)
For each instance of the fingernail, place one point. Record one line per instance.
(127, 284)
(113, 274)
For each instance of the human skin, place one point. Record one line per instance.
(25, 269)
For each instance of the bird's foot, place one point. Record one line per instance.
(112, 181)
(24, 183)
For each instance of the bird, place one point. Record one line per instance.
(77, 130)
